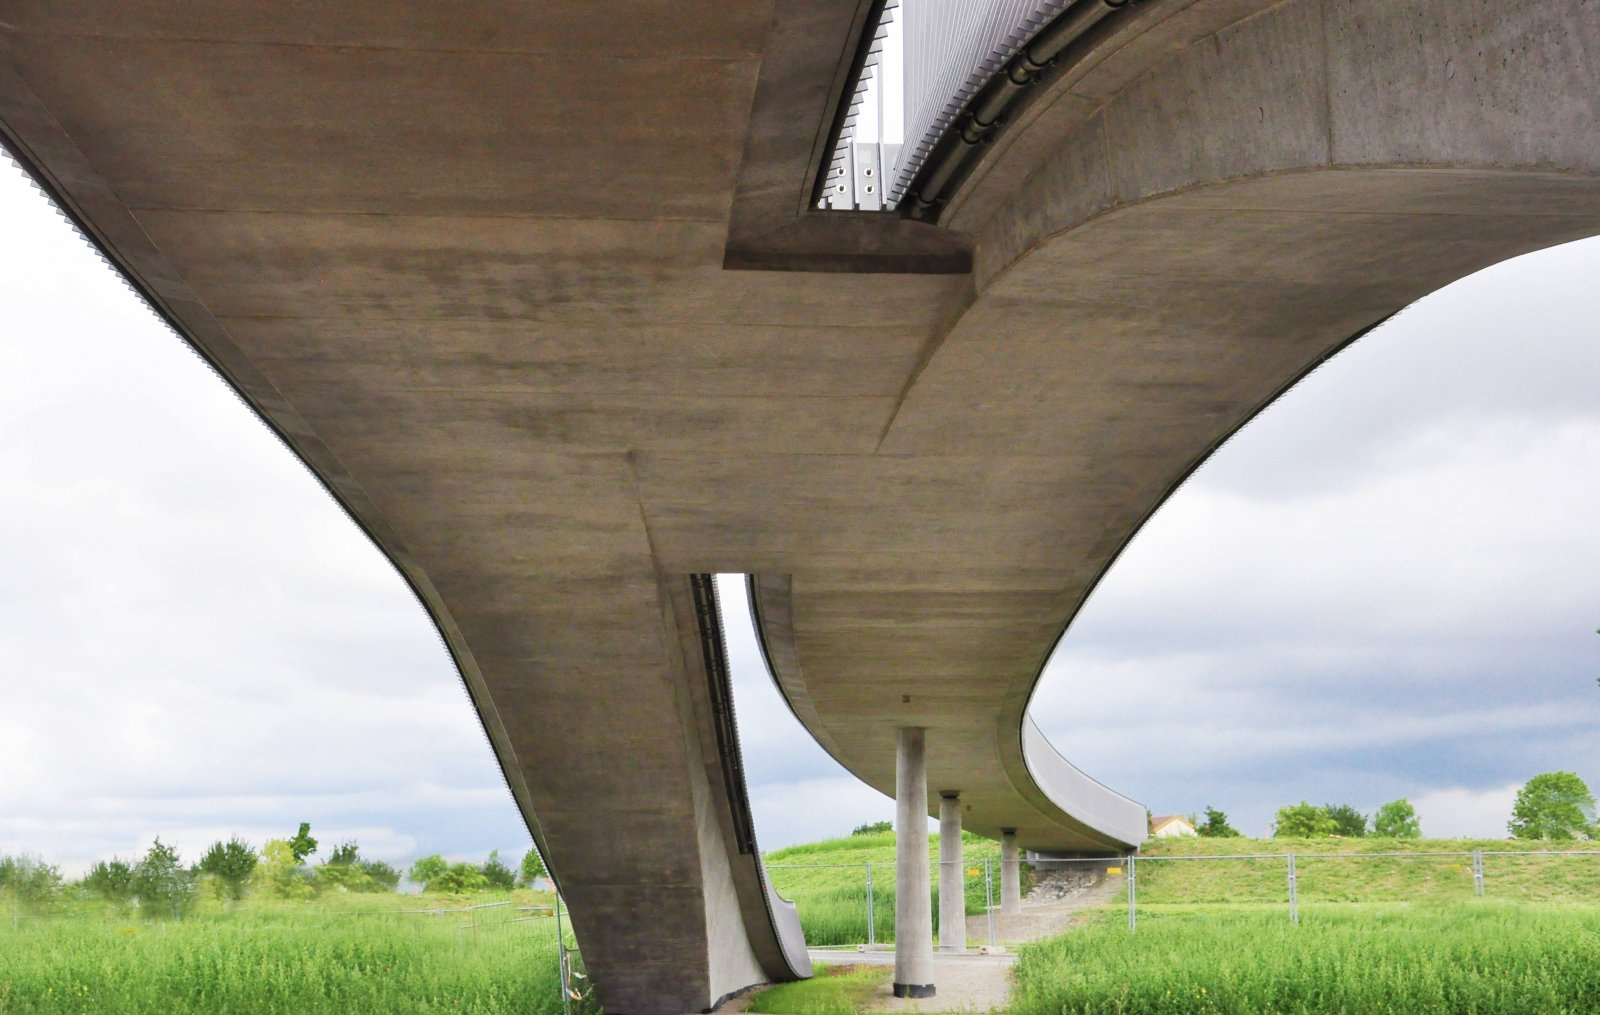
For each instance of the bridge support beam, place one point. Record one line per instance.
(952, 876)
(1010, 873)
(913, 896)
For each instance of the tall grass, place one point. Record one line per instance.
(1484, 958)
(827, 883)
(285, 958)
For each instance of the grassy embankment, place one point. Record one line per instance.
(1378, 934)
(1513, 871)
(827, 882)
(356, 954)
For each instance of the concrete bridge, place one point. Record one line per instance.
(539, 292)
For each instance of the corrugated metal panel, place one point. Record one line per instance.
(951, 48)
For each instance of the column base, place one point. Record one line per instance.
(913, 990)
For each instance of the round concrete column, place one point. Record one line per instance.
(913, 896)
(1010, 873)
(952, 876)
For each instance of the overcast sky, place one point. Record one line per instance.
(1388, 585)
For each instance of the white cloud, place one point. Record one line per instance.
(1478, 813)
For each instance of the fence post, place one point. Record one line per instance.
(872, 930)
(562, 967)
(1477, 872)
(988, 895)
(1294, 894)
(1133, 917)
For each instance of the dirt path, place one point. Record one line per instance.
(1057, 898)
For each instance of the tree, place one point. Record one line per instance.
(531, 868)
(1216, 826)
(279, 873)
(873, 828)
(496, 873)
(1348, 821)
(458, 879)
(381, 876)
(231, 863)
(1554, 805)
(31, 881)
(1303, 821)
(425, 870)
(345, 854)
(1397, 819)
(164, 886)
(110, 880)
(302, 845)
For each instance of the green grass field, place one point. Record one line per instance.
(827, 882)
(351, 956)
(1514, 870)
(1480, 957)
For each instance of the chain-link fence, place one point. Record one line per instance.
(843, 904)
(853, 903)
(1289, 880)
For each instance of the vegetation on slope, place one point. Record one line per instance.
(1514, 869)
(1487, 958)
(827, 881)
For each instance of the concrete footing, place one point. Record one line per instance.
(913, 899)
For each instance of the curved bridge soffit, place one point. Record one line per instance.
(1185, 238)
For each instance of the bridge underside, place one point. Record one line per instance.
(471, 264)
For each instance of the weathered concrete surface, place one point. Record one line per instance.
(472, 266)
(913, 895)
(952, 876)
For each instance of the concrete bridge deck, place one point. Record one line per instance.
(498, 275)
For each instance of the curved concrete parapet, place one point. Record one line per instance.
(786, 919)
(1006, 771)
(1096, 805)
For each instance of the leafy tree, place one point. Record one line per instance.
(345, 869)
(496, 873)
(302, 844)
(345, 854)
(162, 883)
(1303, 821)
(110, 880)
(873, 828)
(1348, 821)
(531, 868)
(347, 877)
(1554, 805)
(1397, 819)
(381, 876)
(425, 870)
(279, 873)
(458, 879)
(1216, 826)
(31, 881)
(231, 863)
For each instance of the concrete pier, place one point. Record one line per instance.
(913, 898)
(952, 876)
(1010, 873)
